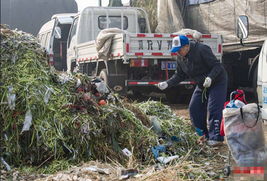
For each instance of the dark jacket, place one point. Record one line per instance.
(198, 64)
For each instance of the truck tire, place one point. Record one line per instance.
(112, 82)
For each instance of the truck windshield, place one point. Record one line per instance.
(112, 22)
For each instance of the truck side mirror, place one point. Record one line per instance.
(57, 32)
(242, 27)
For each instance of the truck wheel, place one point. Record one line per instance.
(173, 96)
(112, 82)
(254, 83)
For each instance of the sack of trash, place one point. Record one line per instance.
(245, 136)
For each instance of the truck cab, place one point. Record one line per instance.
(53, 38)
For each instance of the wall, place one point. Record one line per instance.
(30, 15)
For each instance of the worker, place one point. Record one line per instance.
(196, 61)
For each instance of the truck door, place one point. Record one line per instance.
(72, 42)
(262, 80)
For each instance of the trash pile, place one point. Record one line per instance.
(48, 115)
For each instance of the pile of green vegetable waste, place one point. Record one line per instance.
(48, 115)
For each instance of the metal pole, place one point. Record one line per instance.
(100, 3)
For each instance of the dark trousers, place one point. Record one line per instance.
(199, 106)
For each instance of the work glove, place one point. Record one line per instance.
(207, 82)
(162, 85)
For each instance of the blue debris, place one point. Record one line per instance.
(157, 149)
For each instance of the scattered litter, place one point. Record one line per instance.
(28, 121)
(96, 169)
(125, 174)
(155, 125)
(101, 87)
(78, 82)
(64, 78)
(47, 94)
(11, 98)
(8, 168)
(166, 160)
(127, 152)
(157, 149)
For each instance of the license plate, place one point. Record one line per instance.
(170, 65)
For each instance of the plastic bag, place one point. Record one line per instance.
(168, 159)
(28, 121)
(235, 104)
(245, 136)
(156, 127)
(64, 77)
(47, 94)
(78, 82)
(14, 58)
(101, 87)
(5, 164)
(11, 98)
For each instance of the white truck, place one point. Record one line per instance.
(53, 37)
(138, 58)
(262, 80)
(261, 72)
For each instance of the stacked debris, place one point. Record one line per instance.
(48, 115)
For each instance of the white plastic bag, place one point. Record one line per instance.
(101, 87)
(166, 160)
(156, 127)
(28, 121)
(11, 98)
(48, 94)
(64, 77)
(245, 136)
